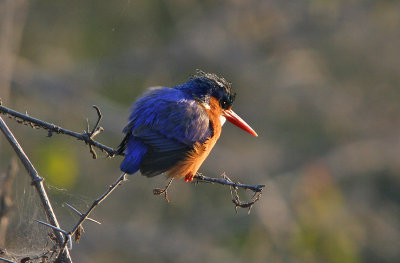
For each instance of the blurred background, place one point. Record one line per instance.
(318, 80)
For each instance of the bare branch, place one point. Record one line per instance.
(238, 203)
(96, 128)
(225, 181)
(58, 229)
(78, 227)
(160, 191)
(87, 136)
(96, 202)
(80, 214)
(51, 226)
(64, 238)
(37, 182)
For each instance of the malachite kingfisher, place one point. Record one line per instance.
(172, 130)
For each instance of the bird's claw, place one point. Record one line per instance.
(189, 177)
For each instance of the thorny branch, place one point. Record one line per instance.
(80, 214)
(78, 227)
(87, 136)
(238, 203)
(225, 180)
(37, 181)
(111, 188)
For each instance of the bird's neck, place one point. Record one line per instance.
(214, 113)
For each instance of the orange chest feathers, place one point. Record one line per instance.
(188, 167)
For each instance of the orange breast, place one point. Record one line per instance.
(196, 157)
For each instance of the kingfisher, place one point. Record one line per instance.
(172, 130)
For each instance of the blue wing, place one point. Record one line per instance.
(164, 126)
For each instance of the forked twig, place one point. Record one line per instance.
(80, 214)
(238, 203)
(60, 230)
(78, 226)
(225, 180)
(98, 201)
(95, 131)
(160, 191)
(86, 136)
(76, 230)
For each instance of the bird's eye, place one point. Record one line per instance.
(224, 104)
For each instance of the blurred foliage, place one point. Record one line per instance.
(321, 233)
(318, 80)
(58, 163)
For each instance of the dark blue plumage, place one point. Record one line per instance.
(170, 126)
(165, 124)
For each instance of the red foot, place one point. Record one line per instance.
(189, 178)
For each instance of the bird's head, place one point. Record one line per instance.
(205, 87)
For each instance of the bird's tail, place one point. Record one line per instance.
(135, 150)
(122, 146)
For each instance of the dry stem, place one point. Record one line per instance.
(37, 182)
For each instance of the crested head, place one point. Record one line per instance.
(202, 86)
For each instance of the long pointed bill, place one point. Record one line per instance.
(233, 118)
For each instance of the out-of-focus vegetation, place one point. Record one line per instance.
(318, 80)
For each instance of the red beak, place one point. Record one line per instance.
(233, 118)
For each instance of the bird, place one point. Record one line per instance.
(172, 130)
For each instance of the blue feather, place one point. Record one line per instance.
(133, 157)
(164, 125)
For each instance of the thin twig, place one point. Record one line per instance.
(224, 181)
(95, 203)
(98, 201)
(80, 214)
(37, 182)
(96, 127)
(160, 191)
(96, 130)
(51, 226)
(87, 136)
(238, 203)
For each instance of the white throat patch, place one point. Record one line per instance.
(206, 105)
(222, 119)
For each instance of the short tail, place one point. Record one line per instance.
(122, 146)
(135, 150)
